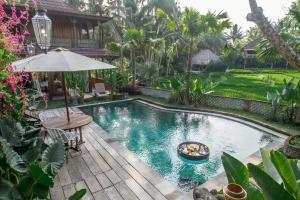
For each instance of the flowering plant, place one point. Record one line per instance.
(13, 98)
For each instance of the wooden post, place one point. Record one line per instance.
(51, 86)
(90, 81)
(101, 34)
(74, 38)
(65, 94)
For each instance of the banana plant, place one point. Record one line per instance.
(291, 97)
(277, 180)
(276, 101)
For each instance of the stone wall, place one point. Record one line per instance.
(252, 106)
(156, 93)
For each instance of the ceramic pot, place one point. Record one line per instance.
(234, 191)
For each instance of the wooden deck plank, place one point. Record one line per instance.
(73, 171)
(69, 190)
(78, 153)
(100, 195)
(112, 193)
(82, 167)
(56, 193)
(137, 189)
(81, 185)
(93, 166)
(125, 191)
(93, 184)
(103, 180)
(100, 161)
(121, 172)
(64, 176)
(113, 177)
(147, 186)
(108, 158)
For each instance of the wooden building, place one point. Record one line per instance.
(71, 29)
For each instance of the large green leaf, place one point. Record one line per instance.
(36, 184)
(53, 157)
(39, 176)
(13, 159)
(78, 195)
(286, 172)
(269, 168)
(25, 186)
(295, 164)
(271, 189)
(8, 191)
(235, 170)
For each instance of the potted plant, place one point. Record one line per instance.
(234, 191)
(291, 147)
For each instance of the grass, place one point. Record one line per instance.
(250, 83)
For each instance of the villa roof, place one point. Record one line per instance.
(61, 7)
(204, 57)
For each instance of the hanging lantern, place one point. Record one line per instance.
(42, 27)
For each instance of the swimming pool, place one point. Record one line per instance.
(153, 135)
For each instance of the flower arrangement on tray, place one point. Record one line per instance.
(193, 150)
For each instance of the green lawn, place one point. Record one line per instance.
(250, 84)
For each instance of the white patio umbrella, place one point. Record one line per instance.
(59, 60)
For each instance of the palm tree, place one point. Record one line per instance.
(133, 39)
(235, 33)
(285, 50)
(193, 26)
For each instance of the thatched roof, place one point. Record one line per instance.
(204, 57)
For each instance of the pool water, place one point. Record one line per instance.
(154, 134)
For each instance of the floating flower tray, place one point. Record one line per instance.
(193, 150)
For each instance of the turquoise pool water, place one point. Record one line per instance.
(153, 135)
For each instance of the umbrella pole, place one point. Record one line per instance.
(65, 94)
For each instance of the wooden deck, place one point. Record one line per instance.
(109, 171)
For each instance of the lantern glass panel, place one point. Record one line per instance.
(42, 26)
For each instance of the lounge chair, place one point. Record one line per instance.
(67, 137)
(100, 90)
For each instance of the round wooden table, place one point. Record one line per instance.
(77, 121)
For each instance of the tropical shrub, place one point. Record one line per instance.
(275, 100)
(286, 100)
(291, 97)
(176, 85)
(201, 87)
(277, 180)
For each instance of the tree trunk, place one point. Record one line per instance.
(133, 67)
(188, 73)
(168, 67)
(269, 32)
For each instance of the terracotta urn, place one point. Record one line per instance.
(234, 191)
